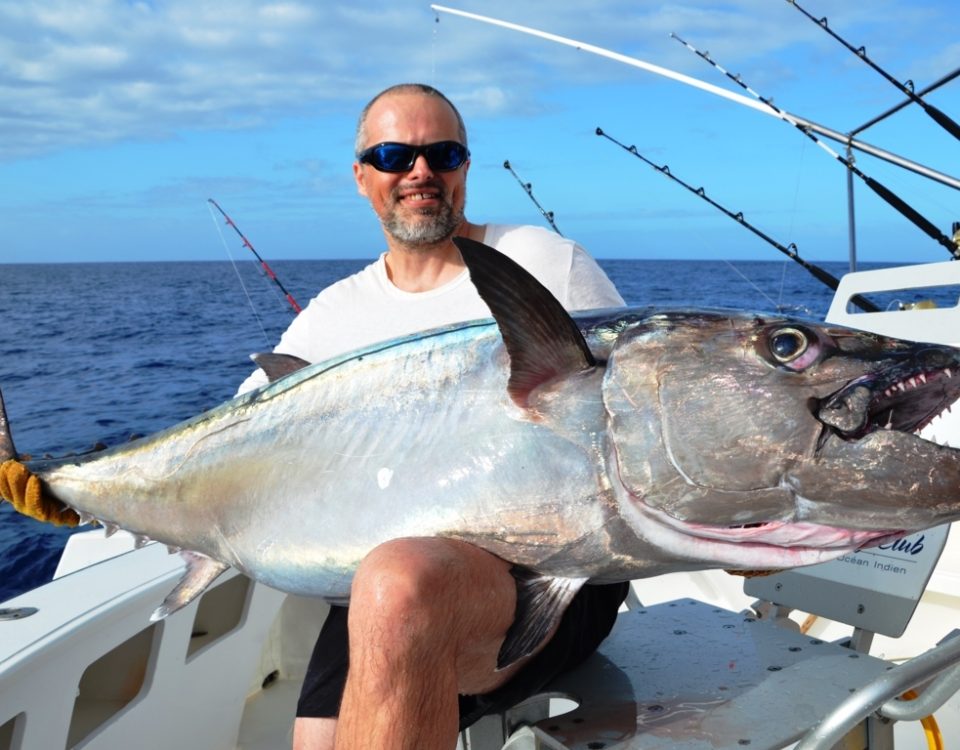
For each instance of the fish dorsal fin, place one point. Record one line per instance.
(541, 602)
(543, 341)
(7, 450)
(200, 573)
(276, 365)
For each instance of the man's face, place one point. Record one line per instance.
(420, 207)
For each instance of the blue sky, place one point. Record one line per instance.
(119, 119)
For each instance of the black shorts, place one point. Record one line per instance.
(586, 622)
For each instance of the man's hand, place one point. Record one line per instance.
(24, 491)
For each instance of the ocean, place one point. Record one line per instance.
(97, 352)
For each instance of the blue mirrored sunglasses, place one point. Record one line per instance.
(443, 156)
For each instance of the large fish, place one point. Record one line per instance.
(605, 447)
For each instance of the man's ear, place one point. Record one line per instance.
(358, 176)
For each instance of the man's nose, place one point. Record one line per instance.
(420, 167)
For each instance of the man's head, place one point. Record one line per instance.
(421, 205)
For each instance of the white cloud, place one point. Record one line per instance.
(103, 70)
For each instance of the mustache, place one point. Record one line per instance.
(436, 185)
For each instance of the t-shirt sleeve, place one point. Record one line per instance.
(589, 287)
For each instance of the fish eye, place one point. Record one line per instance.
(788, 344)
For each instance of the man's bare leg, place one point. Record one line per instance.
(311, 733)
(427, 618)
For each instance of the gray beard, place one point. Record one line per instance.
(435, 228)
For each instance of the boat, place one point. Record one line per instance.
(82, 665)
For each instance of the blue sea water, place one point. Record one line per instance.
(99, 352)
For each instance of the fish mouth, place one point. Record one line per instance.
(764, 545)
(899, 399)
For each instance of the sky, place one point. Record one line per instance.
(119, 119)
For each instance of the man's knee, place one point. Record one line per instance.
(399, 574)
(426, 572)
(409, 588)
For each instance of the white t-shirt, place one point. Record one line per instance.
(366, 308)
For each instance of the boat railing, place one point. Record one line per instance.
(928, 323)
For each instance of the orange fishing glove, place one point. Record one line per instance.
(23, 490)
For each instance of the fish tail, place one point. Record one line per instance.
(20, 487)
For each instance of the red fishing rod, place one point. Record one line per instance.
(263, 264)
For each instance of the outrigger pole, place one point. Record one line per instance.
(790, 250)
(921, 222)
(528, 187)
(935, 114)
(835, 135)
(263, 264)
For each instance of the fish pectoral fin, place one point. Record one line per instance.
(543, 341)
(201, 571)
(277, 365)
(541, 602)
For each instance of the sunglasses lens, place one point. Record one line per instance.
(444, 156)
(392, 157)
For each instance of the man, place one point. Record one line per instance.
(427, 616)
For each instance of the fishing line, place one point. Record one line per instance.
(921, 222)
(783, 283)
(236, 270)
(793, 213)
(433, 50)
(776, 305)
(789, 250)
(937, 115)
(528, 188)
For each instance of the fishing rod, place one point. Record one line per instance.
(745, 101)
(789, 250)
(528, 187)
(937, 115)
(263, 264)
(921, 222)
(906, 102)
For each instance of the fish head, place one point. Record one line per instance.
(760, 441)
